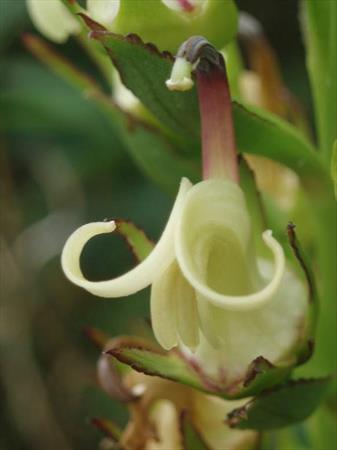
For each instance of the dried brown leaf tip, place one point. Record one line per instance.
(295, 245)
(237, 415)
(258, 366)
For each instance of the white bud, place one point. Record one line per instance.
(52, 19)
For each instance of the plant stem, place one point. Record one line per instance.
(219, 154)
(217, 130)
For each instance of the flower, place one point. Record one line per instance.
(221, 293)
(52, 19)
(211, 295)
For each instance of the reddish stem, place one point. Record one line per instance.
(217, 130)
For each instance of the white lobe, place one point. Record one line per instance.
(136, 279)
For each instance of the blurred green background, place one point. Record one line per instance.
(63, 165)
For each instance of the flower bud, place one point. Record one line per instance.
(167, 23)
(52, 19)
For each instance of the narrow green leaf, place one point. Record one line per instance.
(139, 243)
(334, 167)
(157, 157)
(281, 406)
(306, 345)
(152, 151)
(263, 133)
(261, 374)
(58, 64)
(164, 365)
(144, 70)
(319, 24)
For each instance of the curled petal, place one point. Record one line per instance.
(213, 242)
(136, 279)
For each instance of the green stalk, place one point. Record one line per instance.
(324, 359)
(319, 28)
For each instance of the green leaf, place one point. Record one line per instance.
(334, 167)
(139, 243)
(59, 65)
(319, 24)
(191, 438)
(61, 117)
(263, 133)
(152, 151)
(306, 346)
(157, 157)
(144, 70)
(281, 406)
(160, 364)
(173, 366)
(261, 375)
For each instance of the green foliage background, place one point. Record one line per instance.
(62, 165)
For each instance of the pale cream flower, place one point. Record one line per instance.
(211, 295)
(52, 19)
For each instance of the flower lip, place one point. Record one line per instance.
(247, 302)
(140, 276)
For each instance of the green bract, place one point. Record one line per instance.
(168, 23)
